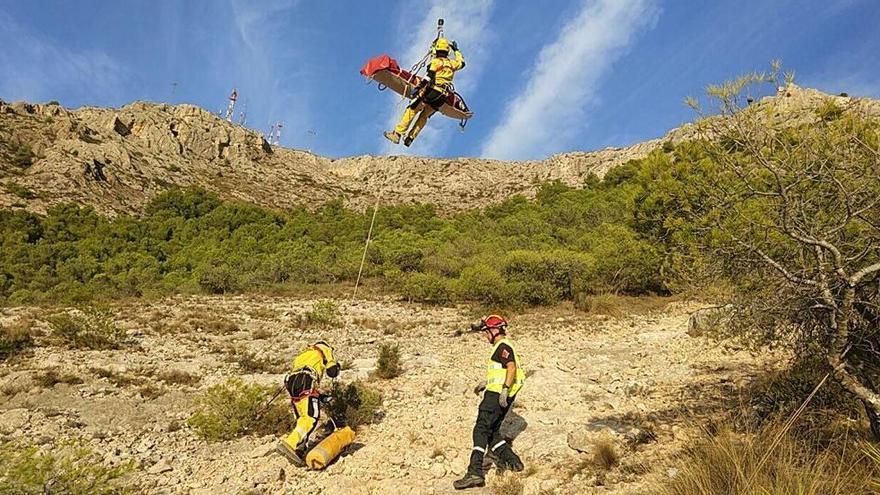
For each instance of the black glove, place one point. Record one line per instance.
(325, 399)
(454, 46)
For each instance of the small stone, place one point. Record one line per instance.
(672, 472)
(160, 467)
(13, 419)
(438, 470)
(263, 450)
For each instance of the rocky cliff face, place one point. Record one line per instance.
(117, 159)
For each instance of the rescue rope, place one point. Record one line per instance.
(414, 70)
(366, 246)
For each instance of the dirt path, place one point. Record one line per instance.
(638, 381)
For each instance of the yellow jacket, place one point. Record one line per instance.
(444, 69)
(317, 358)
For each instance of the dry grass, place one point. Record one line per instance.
(211, 324)
(150, 391)
(251, 363)
(15, 338)
(605, 455)
(261, 333)
(263, 313)
(48, 378)
(732, 463)
(121, 380)
(507, 484)
(178, 377)
(604, 458)
(366, 322)
(616, 306)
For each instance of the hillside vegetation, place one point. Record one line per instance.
(566, 244)
(770, 209)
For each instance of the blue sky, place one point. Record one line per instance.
(542, 77)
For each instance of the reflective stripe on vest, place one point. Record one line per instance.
(496, 373)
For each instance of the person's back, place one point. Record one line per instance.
(444, 69)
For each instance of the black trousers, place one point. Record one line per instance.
(432, 97)
(487, 432)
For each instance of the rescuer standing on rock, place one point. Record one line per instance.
(504, 379)
(302, 385)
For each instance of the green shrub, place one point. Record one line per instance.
(69, 469)
(89, 328)
(388, 364)
(14, 339)
(829, 110)
(219, 278)
(609, 237)
(425, 287)
(484, 284)
(324, 313)
(19, 190)
(353, 405)
(231, 410)
(22, 155)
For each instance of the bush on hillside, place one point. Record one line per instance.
(353, 405)
(69, 468)
(14, 339)
(87, 328)
(233, 409)
(388, 364)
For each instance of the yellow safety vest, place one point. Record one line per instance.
(496, 373)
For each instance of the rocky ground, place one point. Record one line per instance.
(640, 382)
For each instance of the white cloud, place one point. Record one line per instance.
(468, 24)
(36, 68)
(566, 76)
(270, 96)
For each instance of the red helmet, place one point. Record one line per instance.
(495, 321)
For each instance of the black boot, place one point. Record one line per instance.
(407, 141)
(512, 461)
(470, 480)
(507, 459)
(474, 476)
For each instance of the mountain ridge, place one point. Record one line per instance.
(117, 159)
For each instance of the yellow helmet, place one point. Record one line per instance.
(441, 45)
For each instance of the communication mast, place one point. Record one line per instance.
(242, 116)
(278, 127)
(230, 110)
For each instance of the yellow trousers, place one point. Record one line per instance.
(307, 412)
(424, 110)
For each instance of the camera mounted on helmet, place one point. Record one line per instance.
(494, 324)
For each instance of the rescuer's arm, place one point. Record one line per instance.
(508, 382)
(511, 374)
(458, 56)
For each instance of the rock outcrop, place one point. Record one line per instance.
(117, 159)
